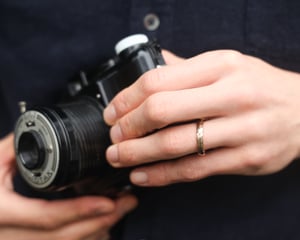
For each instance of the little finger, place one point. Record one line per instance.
(189, 169)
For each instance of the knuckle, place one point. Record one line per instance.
(170, 143)
(126, 127)
(164, 177)
(244, 97)
(127, 154)
(120, 103)
(188, 174)
(156, 110)
(255, 159)
(248, 96)
(231, 58)
(150, 81)
(255, 127)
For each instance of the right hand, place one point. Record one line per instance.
(87, 217)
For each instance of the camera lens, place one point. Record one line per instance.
(75, 139)
(62, 145)
(31, 150)
(65, 144)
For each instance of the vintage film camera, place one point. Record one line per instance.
(64, 145)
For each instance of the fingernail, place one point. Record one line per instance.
(116, 133)
(112, 154)
(139, 178)
(109, 114)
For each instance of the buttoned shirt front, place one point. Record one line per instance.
(44, 43)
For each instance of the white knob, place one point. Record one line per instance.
(130, 41)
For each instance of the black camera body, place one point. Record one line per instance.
(64, 145)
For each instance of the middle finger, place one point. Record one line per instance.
(162, 109)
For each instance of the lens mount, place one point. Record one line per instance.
(37, 149)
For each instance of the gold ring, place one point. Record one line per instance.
(199, 137)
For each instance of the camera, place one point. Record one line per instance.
(63, 145)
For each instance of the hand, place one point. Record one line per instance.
(33, 219)
(252, 124)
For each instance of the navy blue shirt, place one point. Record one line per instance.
(44, 43)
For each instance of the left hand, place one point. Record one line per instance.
(87, 217)
(252, 117)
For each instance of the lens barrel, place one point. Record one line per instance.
(61, 145)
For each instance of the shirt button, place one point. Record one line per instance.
(151, 22)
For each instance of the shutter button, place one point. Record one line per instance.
(151, 22)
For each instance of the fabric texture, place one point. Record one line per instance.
(44, 43)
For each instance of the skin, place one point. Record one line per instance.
(34, 219)
(252, 127)
(251, 109)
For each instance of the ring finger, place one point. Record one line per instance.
(175, 141)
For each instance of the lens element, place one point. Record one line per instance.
(31, 150)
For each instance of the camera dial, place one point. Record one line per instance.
(130, 41)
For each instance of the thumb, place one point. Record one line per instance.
(7, 149)
(171, 58)
(7, 161)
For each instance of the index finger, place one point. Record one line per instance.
(198, 71)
